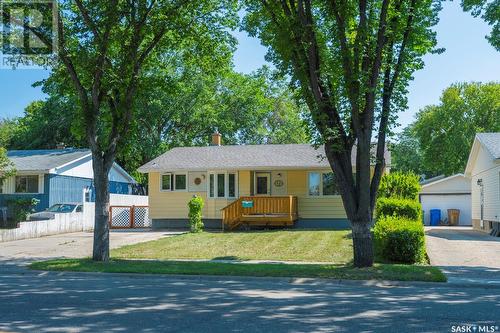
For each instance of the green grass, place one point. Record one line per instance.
(347, 272)
(332, 250)
(330, 246)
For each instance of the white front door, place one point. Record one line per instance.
(262, 183)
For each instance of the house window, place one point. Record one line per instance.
(232, 185)
(173, 182)
(212, 185)
(1, 186)
(166, 182)
(322, 183)
(329, 186)
(314, 183)
(222, 185)
(180, 182)
(26, 184)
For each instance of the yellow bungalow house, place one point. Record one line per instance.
(285, 184)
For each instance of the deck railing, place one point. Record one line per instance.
(260, 209)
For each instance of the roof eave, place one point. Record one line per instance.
(54, 169)
(145, 169)
(39, 171)
(443, 180)
(472, 156)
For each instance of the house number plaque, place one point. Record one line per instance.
(278, 183)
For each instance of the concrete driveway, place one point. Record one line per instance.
(464, 255)
(73, 245)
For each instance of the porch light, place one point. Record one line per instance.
(480, 182)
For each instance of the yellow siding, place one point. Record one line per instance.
(168, 204)
(244, 183)
(173, 205)
(311, 207)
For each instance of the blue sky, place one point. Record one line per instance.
(468, 57)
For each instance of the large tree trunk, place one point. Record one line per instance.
(356, 197)
(362, 242)
(101, 223)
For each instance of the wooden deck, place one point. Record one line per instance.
(260, 211)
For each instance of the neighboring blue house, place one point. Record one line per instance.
(57, 175)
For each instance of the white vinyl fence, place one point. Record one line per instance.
(64, 223)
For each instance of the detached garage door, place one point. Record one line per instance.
(445, 202)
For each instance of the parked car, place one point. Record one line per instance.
(61, 208)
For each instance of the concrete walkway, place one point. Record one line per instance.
(73, 245)
(464, 255)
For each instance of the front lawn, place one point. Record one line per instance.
(330, 246)
(343, 272)
(330, 249)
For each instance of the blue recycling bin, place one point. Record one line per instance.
(435, 216)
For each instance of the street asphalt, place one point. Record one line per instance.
(32, 301)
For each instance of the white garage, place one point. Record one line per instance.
(452, 192)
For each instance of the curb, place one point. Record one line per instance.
(481, 284)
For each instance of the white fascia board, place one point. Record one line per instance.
(443, 180)
(124, 173)
(54, 170)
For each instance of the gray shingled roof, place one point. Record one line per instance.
(492, 143)
(254, 157)
(44, 160)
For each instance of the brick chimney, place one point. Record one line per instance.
(216, 139)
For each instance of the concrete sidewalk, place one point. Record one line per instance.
(465, 255)
(73, 245)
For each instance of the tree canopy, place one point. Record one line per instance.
(351, 60)
(106, 51)
(440, 139)
(489, 11)
(180, 107)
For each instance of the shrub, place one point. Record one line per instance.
(195, 207)
(400, 239)
(399, 185)
(410, 209)
(21, 208)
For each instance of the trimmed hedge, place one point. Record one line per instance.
(195, 206)
(399, 185)
(410, 209)
(400, 239)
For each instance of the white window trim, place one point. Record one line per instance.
(161, 181)
(226, 184)
(187, 180)
(321, 195)
(172, 181)
(40, 184)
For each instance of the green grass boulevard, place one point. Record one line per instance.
(330, 271)
(330, 250)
